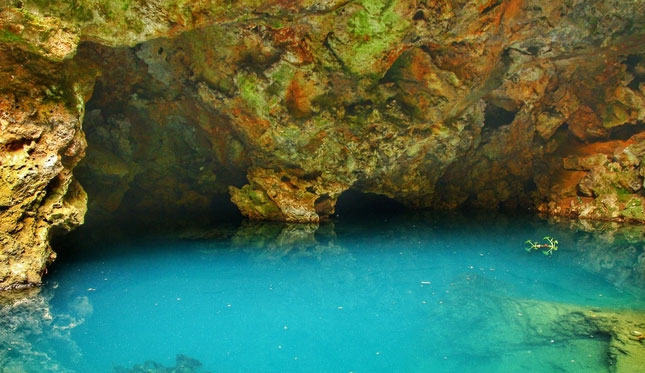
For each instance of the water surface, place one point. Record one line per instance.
(408, 293)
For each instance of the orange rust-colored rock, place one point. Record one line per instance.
(41, 110)
(287, 196)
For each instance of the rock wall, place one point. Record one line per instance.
(437, 104)
(41, 111)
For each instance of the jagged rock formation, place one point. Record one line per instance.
(41, 110)
(437, 104)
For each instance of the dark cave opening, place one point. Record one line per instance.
(496, 117)
(352, 204)
(632, 62)
(625, 132)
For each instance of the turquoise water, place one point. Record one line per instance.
(412, 293)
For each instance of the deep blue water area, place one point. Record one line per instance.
(405, 293)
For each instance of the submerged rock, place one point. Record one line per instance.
(563, 323)
(543, 335)
(32, 336)
(184, 364)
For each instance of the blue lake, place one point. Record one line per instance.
(409, 293)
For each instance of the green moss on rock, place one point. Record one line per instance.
(374, 30)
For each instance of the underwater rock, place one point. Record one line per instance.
(31, 335)
(625, 353)
(534, 327)
(184, 364)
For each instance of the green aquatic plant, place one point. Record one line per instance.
(547, 248)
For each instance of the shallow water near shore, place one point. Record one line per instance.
(409, 293)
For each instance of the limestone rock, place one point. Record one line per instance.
(41, 110)
(283, 196)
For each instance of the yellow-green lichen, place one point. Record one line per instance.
(263, 94)
(9, 37)
(281, 77)
(255, 203)
(615, 114)
(375, 30)
(376, 17)
(252, 92)
(633, 209)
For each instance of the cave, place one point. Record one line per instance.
(321, 186)
(496, 117)
(351, 203)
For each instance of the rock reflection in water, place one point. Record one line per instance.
(616, 251)
(32, 337)
(274, 241)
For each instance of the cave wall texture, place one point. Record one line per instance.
(286, 104)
